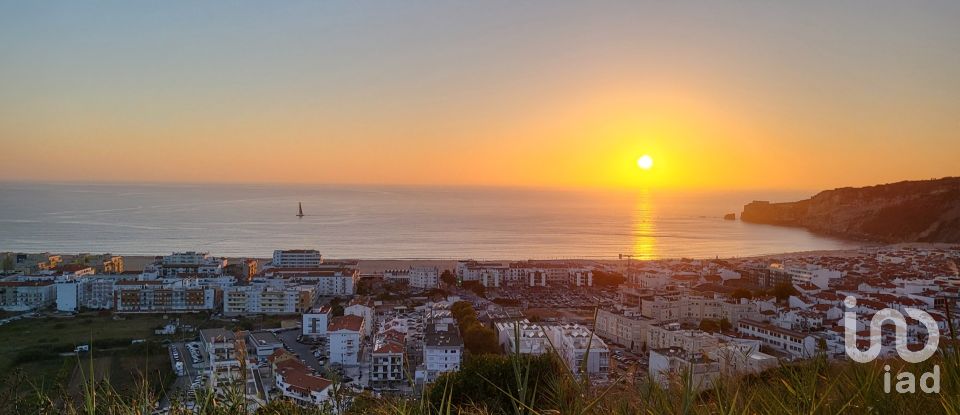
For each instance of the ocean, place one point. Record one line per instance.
(370, 222)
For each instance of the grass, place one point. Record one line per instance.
(519, 385)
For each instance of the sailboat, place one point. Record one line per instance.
(300, 212)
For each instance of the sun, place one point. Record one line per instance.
(645, 162)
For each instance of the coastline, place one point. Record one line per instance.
(375, 265)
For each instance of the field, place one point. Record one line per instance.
(38, 352)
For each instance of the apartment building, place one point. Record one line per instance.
(795, 343)
(693, 309)
(424, 277)
(219, 346)
(387, 370)
(626, 328)
(442, 350)
(265, 299)
(522, 336)
(296, 382)
(152, 296)
(345, 334)
(296, 258)
(802, 274)
(334, 281)
(315, 321)
(671, 335)
(109, 264)
(27, 295)
(362, 307)
(574, 343)
(188, 264)
(397, 275)
(670, 365)
(263, 343)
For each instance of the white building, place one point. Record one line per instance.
(424, 277)
(315, 322)
(671, 335)
(27, 295)
(219, 345)
(98, 293)
(295, 381)
(741, 358)
(297, 258)
(387, 361)
(263, 299)
(264, 343)
(574, 343)
(528, 337)
(674, 365)
(693, 309)
(186, 258)
(795, 343)
(328, 282)
(345, 334)
(581, 277)
(362, 308)
(187, 264)
(397, 275)
(442, 350)
(69, 296)
(806, 274)
(627, 328)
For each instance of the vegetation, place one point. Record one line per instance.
(7, 264)
(783, 291)
(477, 339)
(524, 385)
(741, 293)
(607, 279)
(713, 326)
(476, 287)
(448, 277)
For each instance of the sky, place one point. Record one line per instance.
(721, 95)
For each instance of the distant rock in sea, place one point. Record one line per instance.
(908, 211)
(730, 216)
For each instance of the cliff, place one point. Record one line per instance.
(909, 211)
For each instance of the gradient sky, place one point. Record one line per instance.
(750, 94)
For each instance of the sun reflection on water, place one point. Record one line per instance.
(644, 227)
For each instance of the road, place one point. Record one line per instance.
(181, 386)
(302, 351)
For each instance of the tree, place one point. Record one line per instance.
(476, 287)
(480, 340)
(725, 324)
(783, 291)
(7, 263)
(608, 279)
(709, 325)
(448, 277)
(741, 293)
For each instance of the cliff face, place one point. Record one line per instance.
(910, 211)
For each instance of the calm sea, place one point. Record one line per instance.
(388, 222)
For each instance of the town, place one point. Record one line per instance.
(327, 326)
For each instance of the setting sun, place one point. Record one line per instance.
(645, 162)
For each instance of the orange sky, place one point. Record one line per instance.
(744, 96)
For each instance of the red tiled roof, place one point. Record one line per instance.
(348, 322)
(390, 347)
(295, 374)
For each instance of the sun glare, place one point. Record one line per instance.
(645, 162)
